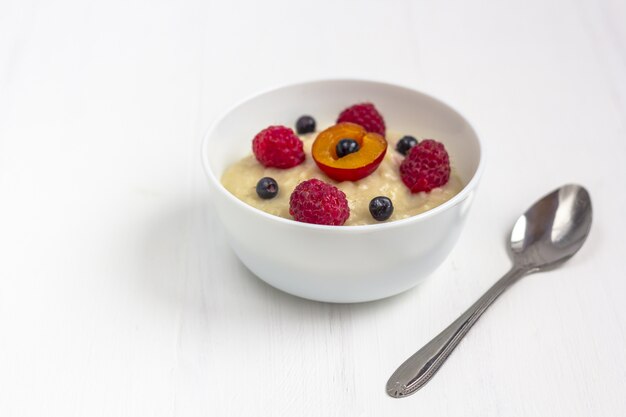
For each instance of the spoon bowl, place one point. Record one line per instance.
(553, 229)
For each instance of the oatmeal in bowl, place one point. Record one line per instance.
(342, 190)
(352, 155)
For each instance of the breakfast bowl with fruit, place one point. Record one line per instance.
(342, 190)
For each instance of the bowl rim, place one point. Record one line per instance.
(457, 199)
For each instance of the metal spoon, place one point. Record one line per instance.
(546, 235)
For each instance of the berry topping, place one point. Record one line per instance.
(305, 124)
(346, 146)
(366, 115)
(426, 166)
(267, 188)
(278, 147)
(405, 144)
(314, 201)
(381, 208)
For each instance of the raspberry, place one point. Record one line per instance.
(278, 147)
(426, 166)
(314, 201)
(366, 115)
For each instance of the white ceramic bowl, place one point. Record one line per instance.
(341, 263)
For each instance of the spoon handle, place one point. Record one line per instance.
(416, 371)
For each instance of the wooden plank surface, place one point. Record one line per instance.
(120, 297)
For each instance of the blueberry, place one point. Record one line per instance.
(346, 146)
(305, 124)
(381, 208)
(405, 144)
(267, 188)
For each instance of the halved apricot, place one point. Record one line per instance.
(354, 166)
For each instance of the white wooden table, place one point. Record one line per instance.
(120, 297)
